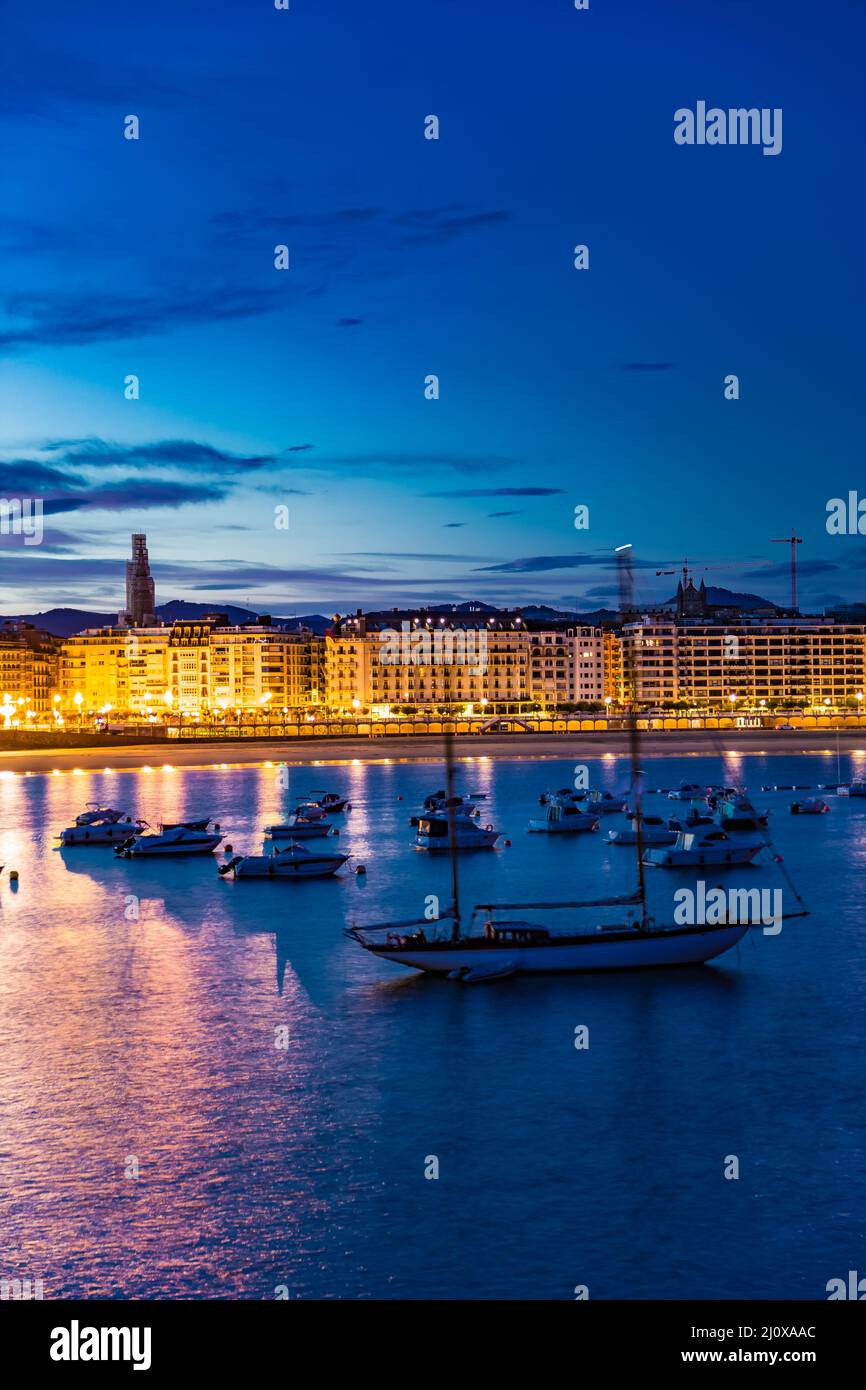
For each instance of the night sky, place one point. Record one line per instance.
(305, 388)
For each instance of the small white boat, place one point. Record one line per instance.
(434, 834)
(697, 847)
(857, 789)
(604, 803)
(296, 861)
(310, 810)
(299, 827)
(96, 814)
(653, 831)
(739, 819)
(113, 831)
(810, 807)
(177, 839)
(561, 794)
(327, 801)
(688, 791)
(442, 806)
(564, 819)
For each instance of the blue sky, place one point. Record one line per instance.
(305, 388)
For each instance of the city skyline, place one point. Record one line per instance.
(409, 257)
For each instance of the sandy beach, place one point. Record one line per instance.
(698, 743)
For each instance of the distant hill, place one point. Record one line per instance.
(316, 622)
(728, 598)
(540, 612)
(65, 622)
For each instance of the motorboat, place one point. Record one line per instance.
(299, 827)
(295, 861)
(564, 818)
(688, 791)
(113, 830)
(435, 833)
(96, 814)
(604, 803)
(562, 794)
(188, 824)
(738, 818)
(445, 806)
(440, 804)
(812, 806)
(310, 810)
(857, 789)
(168, 840)
(327, 801)
(701, 846)
(648, 830)
(695, 816)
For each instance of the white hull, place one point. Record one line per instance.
(570, 825)
(639, 951)
(297, 832)
(482, 839)
(143, 850)
(269, 866)
(648, 837)
(684, 858)
(113, 834)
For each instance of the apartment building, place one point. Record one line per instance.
(28, 669)
(427, 660)
(796, 661)
(192, 668)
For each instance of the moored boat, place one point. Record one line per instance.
(444, 833)
(564, 819)
(327, 801)
(812, 806)
(293, 862)
(112, 831)
(699, 847)
(688, 791)
(176, 840)
(649, 830)
(299, 827)
(96, 814)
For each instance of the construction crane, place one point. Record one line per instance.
(793, 541)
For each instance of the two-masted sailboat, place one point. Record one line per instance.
(495, 946)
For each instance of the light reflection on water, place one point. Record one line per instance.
(155, 1038)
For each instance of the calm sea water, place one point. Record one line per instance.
(151, 1042)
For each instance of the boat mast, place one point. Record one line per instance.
(452, 832)
(626, 603)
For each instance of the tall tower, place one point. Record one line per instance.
(140, 594)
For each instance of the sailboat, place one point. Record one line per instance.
(517, 944)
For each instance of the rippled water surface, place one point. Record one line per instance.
(151, 1042)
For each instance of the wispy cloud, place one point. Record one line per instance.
(414, 463)
(62, 319)
(499, 492)
(97, 474)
